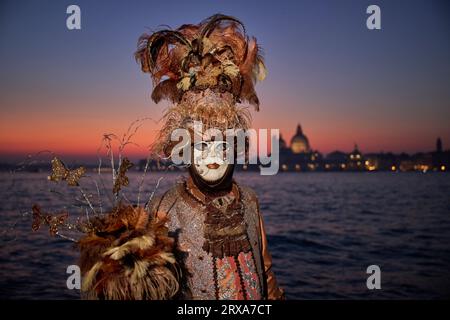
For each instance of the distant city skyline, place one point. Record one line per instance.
(296, 145)
(386, 90)
(300, 134)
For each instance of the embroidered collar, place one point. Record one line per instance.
(203, 198)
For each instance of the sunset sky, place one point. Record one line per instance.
(386, 90)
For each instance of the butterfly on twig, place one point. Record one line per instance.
(121, 178)
(60, 172)
(52, 221)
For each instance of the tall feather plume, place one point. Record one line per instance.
(157, 58)
(212, 23)
(252, 69)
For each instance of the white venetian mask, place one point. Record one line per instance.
(210, 159)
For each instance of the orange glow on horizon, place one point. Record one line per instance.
(80, 132)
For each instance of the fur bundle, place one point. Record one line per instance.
(126, 256)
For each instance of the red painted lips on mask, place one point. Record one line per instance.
(212, 166)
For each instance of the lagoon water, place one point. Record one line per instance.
(324, 230)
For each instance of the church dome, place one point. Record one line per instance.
(299, 142)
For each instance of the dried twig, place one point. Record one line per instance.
(153, 193)
(141, 183)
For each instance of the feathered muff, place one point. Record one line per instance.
(205, 70)
(128, 256)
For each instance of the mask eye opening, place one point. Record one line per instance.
(222, 147)
(201, 146)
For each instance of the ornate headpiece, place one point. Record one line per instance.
(205, 70)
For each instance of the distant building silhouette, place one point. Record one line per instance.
(355, 160)
(440, 158)
(298, 156)
(439, 145)
(299, 142)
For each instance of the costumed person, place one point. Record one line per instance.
(204, 238)
(206, 71)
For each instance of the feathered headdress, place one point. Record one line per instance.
(215, 54)
(205, 70)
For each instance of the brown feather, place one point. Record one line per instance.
(166, 89)
(209, 24)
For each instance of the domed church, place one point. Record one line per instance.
(298, 156)
(299, 142)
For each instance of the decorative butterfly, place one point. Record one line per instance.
(60, 172)
(52, 221)
(122, 179)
